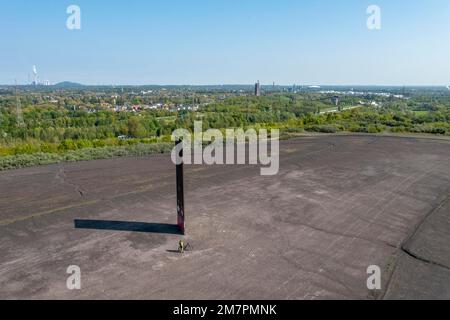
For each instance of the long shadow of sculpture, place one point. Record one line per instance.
(127, 226)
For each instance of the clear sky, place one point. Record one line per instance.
(227, 42)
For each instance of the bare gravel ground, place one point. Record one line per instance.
(338, 205)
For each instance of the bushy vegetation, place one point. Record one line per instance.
(47, 133)
(40, 158)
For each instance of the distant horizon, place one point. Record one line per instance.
(307, 85)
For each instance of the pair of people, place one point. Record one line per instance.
(183, 247)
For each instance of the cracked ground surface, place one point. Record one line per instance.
(338, 205)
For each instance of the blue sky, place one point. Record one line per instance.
(227, 42)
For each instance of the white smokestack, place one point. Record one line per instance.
(35, 75)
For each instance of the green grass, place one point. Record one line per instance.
(420, 113)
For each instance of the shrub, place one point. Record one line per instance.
(67, 144)
(49, 148)
(322, 128)
(40, 158)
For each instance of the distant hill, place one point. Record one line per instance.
(68, 84)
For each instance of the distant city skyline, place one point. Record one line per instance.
(202, 42)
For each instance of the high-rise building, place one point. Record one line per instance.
(258, 89)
